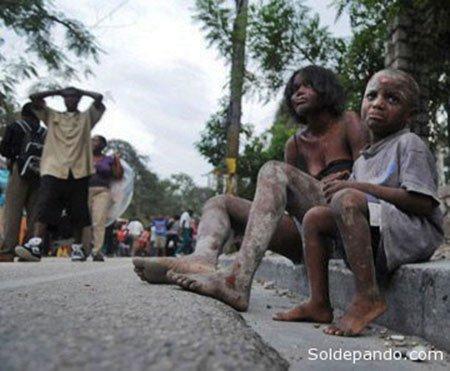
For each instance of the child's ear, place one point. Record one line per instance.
(408, 122)
(410, 116)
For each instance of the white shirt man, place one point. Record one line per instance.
(136, 228)
(185, 220)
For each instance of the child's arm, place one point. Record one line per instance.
(410, 202)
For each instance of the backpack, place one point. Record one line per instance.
(29, 156)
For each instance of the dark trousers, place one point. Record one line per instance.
(171, 250)
(186, 242)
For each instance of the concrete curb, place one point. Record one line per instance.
(418, 295)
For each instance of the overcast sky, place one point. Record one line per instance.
(160, 79)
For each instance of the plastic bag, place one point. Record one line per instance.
(121, 193)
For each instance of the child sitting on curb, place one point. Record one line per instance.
(387, 214)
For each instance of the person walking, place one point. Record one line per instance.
(107, 169)
(160, 224)
(22, 146)
(186, 233)
(173, 235)
(135, 228)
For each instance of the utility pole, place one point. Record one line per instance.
(236, 91)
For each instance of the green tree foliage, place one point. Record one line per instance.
(255, 150)
(429, 36)
(154, 196)
(212, 144)
(62, 45)
(186, 195)
(260, 149)
(282, 36)
(429, 41)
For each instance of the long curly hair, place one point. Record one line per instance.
(332, 96)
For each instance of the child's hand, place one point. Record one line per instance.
(340, 175)
(332, 186)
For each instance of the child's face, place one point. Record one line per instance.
(385, 108)
(305, 98)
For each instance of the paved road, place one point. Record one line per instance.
(58, 315)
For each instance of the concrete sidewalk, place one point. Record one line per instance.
(300, 342)
(418, 295)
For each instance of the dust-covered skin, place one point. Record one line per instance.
(401, 82)
(350, 211)
(223, 217)
(360, 313)
(154, 270)
(390, 102)
(306, 312)
(346, 215)
(317, 247)
(314, 97)
(280, 186)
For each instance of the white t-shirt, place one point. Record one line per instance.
(153, 237)
(135, 227)
(185, 220)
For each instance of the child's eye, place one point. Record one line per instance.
(371, 96)
(392, 99)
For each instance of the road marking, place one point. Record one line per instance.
(6, 285)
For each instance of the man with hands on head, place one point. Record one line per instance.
(66, 166)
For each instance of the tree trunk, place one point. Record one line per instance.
(403, 52)
(236, 91)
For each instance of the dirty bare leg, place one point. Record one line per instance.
(350, 209)
(318, 226)
(277, 182)
(220, 215)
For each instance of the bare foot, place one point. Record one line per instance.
(154, 270)
(306, 312)
(218, 285)
(360, 313)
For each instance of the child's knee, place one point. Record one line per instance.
(215, 202)
(348, 200)
(316, 219)
(273, 170)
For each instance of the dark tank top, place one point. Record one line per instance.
(331, 168)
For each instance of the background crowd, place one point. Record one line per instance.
(56, 184)
(164, 236)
